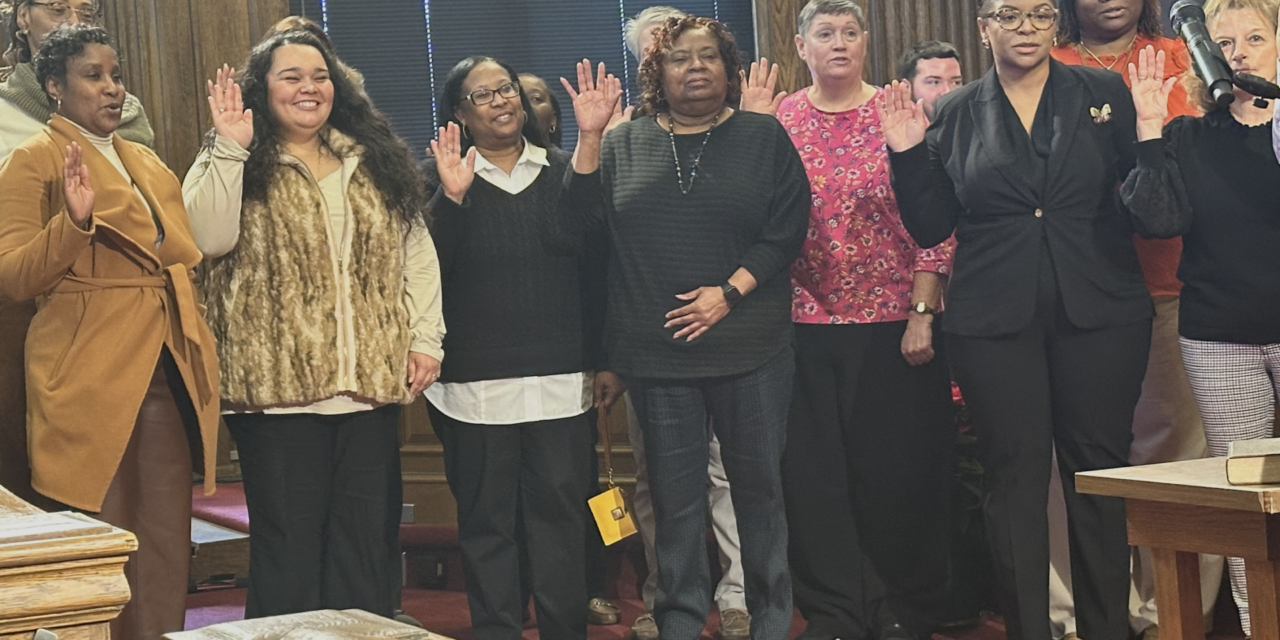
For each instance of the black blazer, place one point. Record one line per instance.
(966, 179)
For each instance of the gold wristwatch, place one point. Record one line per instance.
(923, 307)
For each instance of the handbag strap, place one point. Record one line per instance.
(602, 426)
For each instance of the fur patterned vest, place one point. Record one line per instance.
(272, 299)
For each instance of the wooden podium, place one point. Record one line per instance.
(59, 571)
(1180, 509)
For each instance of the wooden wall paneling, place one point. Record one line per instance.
(263, 14)
(161, 66)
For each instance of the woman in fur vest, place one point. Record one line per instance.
(323, 291)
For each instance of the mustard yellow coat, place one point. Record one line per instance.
(107, 301)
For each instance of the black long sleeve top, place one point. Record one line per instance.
(1215, 182)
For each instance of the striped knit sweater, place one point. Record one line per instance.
(749, 207)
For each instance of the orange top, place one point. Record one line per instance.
(1159, 258)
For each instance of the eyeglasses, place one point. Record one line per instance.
(481, 97)
(827, 36)
(61, 12)
(1011, 19)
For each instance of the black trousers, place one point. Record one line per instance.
(532, 471)
(1049, 385)
(324, 496)
(867, 477)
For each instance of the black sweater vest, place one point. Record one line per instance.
(512, 307)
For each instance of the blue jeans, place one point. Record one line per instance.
(749, 415)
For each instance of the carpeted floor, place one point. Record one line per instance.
(445, 612)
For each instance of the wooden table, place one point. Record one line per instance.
(59, 571)
(1180, 509)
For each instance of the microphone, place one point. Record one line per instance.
(1212, 67)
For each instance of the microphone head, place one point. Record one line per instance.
(1183, 11)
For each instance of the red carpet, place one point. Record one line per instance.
(445, 612)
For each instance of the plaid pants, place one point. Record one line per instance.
(1236, 386)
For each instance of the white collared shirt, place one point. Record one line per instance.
(514, 400)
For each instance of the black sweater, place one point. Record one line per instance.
(513, 308)
(1216, 182)
(749, 207)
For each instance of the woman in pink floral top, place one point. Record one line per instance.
(867, 464)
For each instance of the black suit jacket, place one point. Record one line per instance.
(966, 179)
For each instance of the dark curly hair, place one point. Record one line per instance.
(63, 44)
(451, 98)
(652, 96)
(1069, 21)
(387, 157)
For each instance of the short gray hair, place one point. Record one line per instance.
(644, 21)
(816, 8)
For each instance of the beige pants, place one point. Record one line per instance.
(1166, 428)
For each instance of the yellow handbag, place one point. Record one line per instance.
(610, 508)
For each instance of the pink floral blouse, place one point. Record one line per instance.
(857, 262)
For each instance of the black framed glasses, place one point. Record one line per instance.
(61, 12)
(481, 97)
(1011, 19)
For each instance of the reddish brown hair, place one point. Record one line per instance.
(652, 97)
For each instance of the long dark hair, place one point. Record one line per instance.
(653, 98)
(1069, 21)
(387, 157)
(451, 98)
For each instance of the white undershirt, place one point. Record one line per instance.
(514, 400)
(106, 146)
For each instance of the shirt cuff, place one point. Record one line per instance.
(1150, 153)
(428, 347)
(228, 149)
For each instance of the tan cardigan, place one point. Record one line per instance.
(107, 302)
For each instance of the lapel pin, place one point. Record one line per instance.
(1101, 115)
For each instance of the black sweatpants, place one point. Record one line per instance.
(867, 474)
(534, 471)
(324, 496)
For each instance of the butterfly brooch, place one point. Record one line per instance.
(1101, 115)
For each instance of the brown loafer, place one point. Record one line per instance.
(735, 624)
(644, 628)
(603, 612)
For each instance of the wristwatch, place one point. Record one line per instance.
(923, 307)
(731, 294)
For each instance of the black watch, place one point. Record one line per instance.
(731, 294)
(923, 308)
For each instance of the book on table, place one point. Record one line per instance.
(1254, 461)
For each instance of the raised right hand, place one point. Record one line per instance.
(456, 173)
(230, 118)
(76, 189)
(902, 120)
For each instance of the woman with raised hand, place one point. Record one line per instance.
(323, 291)
(121, 373)
(25, 110)
(1214, 181)
(512, 405)
(699, 320)
(1048, 318)
(866, 472)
